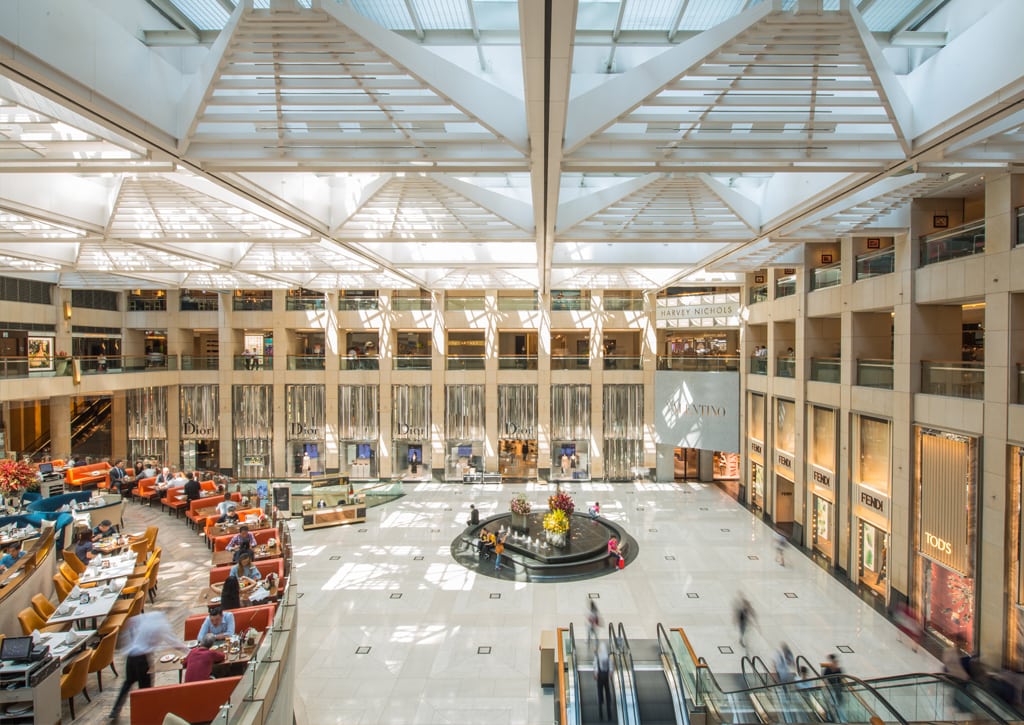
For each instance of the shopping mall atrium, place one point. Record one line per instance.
(742, 271)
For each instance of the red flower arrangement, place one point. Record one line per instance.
(16, 478)
(561, 502)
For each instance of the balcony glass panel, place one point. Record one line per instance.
(465, 302)
(875, 263)
(198, 362)
(196, 301)
(412, 362)
(300, 303)
(824, 277)
(466, 362)
(785, 286)
(623, 362)
(785, 366)
(252, 303)
(874, 373)
(305, 362)
(570, 300)
(357, 303)
(570, 362)
(953, 379)
(517, 362)
(360, 362)
(623, 303)
(825, 369)
(1020, 225)
(758, 294)
(147, 302)
(704, 363)
(1020, 384)
(758, 365)
(963, 241)
(416, 304)
(253, 362)
(523, 303)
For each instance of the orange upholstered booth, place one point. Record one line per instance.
(259, 618)
(193, 702)
(95, 474)
(220, 573)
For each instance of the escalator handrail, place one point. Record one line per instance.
(679, 691)
(747, 660)
(628, 708)
(963, 686)
(563, 715)
(810, 668)
(574, 668)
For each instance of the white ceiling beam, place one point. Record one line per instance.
(351, 204)
(511, 210)
(499, 111)
(66, 199)
(170, 11)
(63, 252)
(600, 107)
(743, 207)
(574, 211)
(1008, 123)
(890, 92)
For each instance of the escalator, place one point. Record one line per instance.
(576, 686)
(656, 690)
(87, 421)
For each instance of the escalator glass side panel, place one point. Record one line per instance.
(682, 654)
(930, 697)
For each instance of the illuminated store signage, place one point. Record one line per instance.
(411, 432)
(698, 409)
(757, 447)
(820, 477)
(784, 461)
(871, 505)
(721, 310)
(947, 463)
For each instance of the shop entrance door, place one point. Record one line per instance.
(686, 466)
(784, 505)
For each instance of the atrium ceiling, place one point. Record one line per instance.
(449, 144)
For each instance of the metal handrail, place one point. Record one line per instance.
(677, 686)
(945, 679)
(807, 663)
(625, 700)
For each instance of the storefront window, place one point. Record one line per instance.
(872, 452)
(623, 432)
(785, 425)
(517, 431)
(822, 528)
(949, 609)
(465, 431)
(304, 415)
(757, 486)
(410, 430)
(252, 417)
(755, 416)
(823, 438)
(358, 430)
(570, 432)
(873, 562)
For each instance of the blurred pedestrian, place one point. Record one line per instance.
(593, 622)
(144, 634)
(745, 616)
(780, 548)
(602, 673)
(785, 664)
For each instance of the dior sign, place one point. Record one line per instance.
(303, 431)
(519, 431)
(412, 432)
(191, 428)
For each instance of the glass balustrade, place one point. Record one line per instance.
(623, 362)
(1020, 384)
(199, 362)
(349, 304)
(758, 365)
(359, 362)
(570, 362)
(962, 241)
(785, 366)
(875, 263)
(825, 369)
(253, 362)
(623, 304)
(298, 303)
(306, 362)
(518, 304)
(466, 362)
(874, 374)
(412, 362)
(758, 294)
(953, 379)
(517, 362)
(713, 363)
(824, 277)
(411, 304)
(785, 286)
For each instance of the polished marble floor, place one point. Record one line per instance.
(392, 630)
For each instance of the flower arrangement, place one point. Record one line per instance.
(556, 522)
(520, 505)
(17, 477)
(562, 502)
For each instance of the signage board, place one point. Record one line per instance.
(698, 409)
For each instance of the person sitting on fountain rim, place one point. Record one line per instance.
(616, 551)
(486, 543)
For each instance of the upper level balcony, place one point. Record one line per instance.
(953, 379)
(825, 369)
(702, 363)
(875, 263)
(824, 277)
(874, 373)
(757, 294)
(963, 241)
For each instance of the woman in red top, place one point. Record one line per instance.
(200, 661)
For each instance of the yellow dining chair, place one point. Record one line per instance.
(74, 681)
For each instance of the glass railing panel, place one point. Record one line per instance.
(1020, 384)
(570, 362)
(953, 379)
(624, 362)
(412, 362)
(253, 362)
(875, 263)
(360, 362)
(570, 304)
(469, 304)
(785, 287)
(824, 277)
(825, 369)
(411, 304)
(685, 662)
(244, 304)
(299, 304)
(874, 374)
(623, 304)
(349, 304)
(785, 366)
(306, 362)
(758, 365)
(517, 362)
(1020, 225)
(147, 304)
(199, 362)
(518, 304)
(706, 363)
(963, 241)
(758, 294)
(466, 362)
(199, 304)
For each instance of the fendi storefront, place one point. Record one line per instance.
(784, 506)
(821, 475)
(200, 427)
(945, 478)
(872, 506)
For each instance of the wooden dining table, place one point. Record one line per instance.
(110, 544)
(232, 529)
(233, 664)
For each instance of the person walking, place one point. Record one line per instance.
(833, 675)
(146, 633)
(780, 548)
(785, 664)
(499, 549)
(593, 622)
(602, 673)
(745, 616)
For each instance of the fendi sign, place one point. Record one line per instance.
(757, 447)
(821, 478)
(784, 461)
(871, 504)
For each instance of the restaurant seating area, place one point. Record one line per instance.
(78, 607)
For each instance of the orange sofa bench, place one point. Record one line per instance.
(193, 701)
(259, 618)
(220, 543)
(276, 565)
(81, 477)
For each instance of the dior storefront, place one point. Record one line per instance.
(624, 433)
(358, 431)
(200, 427)
(410, 432)
(570, 433)
(146, 411)
(517, 432)
(465, 431)
(252, 415)
(304, 407)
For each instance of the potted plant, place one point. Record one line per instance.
(561, 501)
(16, 477)
(556, 526)
(520, 508)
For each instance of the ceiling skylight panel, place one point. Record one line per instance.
(704, 14)
(392, 14)
(443, 14)
(884, 15)
(205, 14)
(649, 14)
